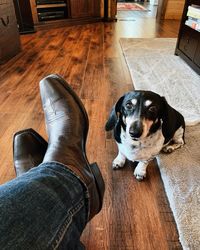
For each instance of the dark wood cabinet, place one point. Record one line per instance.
(188, 43)
(62, 12)
(9, 34)
(85, 8)
(197, 56)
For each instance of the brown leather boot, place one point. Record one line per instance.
(67, 125)
(29, 149)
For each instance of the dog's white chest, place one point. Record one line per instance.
(142, 150)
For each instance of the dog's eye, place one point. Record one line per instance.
(153, 109)
(129, 105)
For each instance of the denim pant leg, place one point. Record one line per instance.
(45, 208)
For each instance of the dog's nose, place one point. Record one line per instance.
(136, 129)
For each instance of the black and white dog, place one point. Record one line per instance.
(144, 124)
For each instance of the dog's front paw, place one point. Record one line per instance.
(139, 175)
(118, 163)
(140, 171)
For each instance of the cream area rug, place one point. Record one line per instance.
(153, 66)
(180, 173)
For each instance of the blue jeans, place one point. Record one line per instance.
(45, 208)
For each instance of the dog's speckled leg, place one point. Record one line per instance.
(140, 170)
(119, 161)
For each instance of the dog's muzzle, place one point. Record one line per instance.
(136, 130)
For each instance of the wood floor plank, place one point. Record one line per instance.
(93, 76)
(29, 48)
(75, 70)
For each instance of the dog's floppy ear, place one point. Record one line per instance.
(167, 111)
(113, 114)
(172, 120)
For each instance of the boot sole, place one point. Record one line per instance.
(99, 181)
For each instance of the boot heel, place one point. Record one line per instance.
(99, 182)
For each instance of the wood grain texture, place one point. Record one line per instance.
(173, 9)
(135, 215)
(85, 8)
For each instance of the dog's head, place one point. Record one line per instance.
(138, 112)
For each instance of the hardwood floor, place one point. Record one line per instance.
(135, 215)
